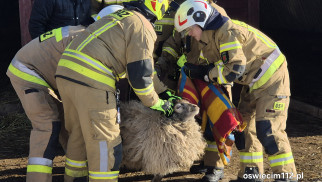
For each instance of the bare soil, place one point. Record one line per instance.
(305, 134)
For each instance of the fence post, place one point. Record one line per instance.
(25, 7)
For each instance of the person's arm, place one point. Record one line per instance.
(170, 54)
(40, 14)
(232, 61)
(140, 67)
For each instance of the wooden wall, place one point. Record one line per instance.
(25, 7)
(244, 10)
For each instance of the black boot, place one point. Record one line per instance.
(213, 175)
(198, 169)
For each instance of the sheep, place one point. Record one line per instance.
(159, 145)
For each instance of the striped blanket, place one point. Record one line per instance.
(215, 107)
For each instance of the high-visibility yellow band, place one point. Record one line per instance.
(39, 169)
(76, 174)
(96, 34)
(76, 164)
(144, 91)
(104, 175)
(269, 72)
(89, 61)
(170, 51)
(221, 78)
(280, 156)
(27, 77)
(259, 35)
(251, 157)
(87, 72)
(230, 46)
(282, 163)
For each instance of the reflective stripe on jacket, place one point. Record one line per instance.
(105, 50)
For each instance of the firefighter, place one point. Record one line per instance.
(170, 46)
(240, 53)
(32, 75)
(175, 52)
(116, 46)
(34, 83)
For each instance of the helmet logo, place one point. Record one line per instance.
(153, 4)
(182, 22)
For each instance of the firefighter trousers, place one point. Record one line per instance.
(94, 147)
(265, 111)
(46, 115)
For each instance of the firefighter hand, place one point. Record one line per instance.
(167, 95)
(197, 71)
(166, 107)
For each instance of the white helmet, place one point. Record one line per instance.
(192, 12)
(107, 10)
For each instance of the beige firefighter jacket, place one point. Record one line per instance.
(164, 29)
(116, 46)
(241, 54)
(37, 61)
(175, 46)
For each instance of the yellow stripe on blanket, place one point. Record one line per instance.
(218, 107)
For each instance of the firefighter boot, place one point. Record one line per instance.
(213, 175)
(198, 169)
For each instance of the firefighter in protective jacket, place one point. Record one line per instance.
(32, 75)
(175, 52)
(116, 46)
(240, 53)
(172, 50)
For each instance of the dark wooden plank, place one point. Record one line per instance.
(243, 10)
(253, 13)
(25, 7)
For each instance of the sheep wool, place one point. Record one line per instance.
(159, 145)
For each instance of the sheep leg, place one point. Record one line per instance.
(157, 178)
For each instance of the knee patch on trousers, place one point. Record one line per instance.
(264, 135)
(240, 140)
(118, 157)
(53, 142)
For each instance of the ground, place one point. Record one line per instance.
(305, 134)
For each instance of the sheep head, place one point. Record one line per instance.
(184, 111)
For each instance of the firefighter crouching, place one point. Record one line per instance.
(32, 75)
(250, 58)
(177, 50)
(116, 46)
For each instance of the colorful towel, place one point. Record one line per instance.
(216, 107)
